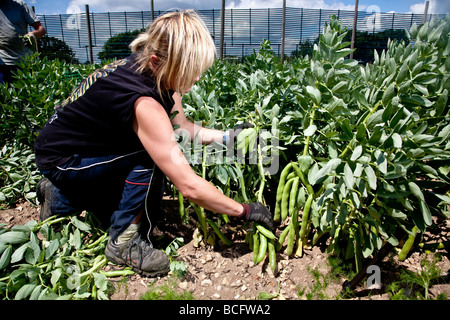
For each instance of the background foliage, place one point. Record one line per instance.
(25, 105)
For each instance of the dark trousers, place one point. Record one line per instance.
(114, 188)
(6, 73)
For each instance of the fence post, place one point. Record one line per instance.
(62, 27)
(250, 21)
(427, 3)
(153, 10)
(283, 27)
(88, 24)
(301, 25)
(355, 18)
(320, 20)
(222, 29)
(109, 24)
(231, 25)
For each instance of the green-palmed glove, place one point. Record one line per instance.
(259, 213)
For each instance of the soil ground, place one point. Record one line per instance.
(228, 273)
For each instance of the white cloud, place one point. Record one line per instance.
(144, 5)
(435, 6)
(111, 5)
(310, 4)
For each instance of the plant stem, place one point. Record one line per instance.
(99, 262)
(219, 233)
(201, 218)
(311, 122)
(261, 174)
(241, 182)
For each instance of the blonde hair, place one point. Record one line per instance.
(183, 46)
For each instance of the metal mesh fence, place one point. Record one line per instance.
(243, 32)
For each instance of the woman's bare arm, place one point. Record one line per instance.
(206, 135)
(154, 129)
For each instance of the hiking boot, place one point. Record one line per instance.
(139, 255)
(43, 192)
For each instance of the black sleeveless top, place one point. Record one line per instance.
(97, 118)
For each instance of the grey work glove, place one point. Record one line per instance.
(259, 213)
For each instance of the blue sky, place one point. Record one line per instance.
(399, 6)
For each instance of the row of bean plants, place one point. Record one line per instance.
(363, 150)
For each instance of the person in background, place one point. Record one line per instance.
(15, 17)
(109, 145)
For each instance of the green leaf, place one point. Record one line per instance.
(80, 225)
(397, 139)
(266, 296)
(414, 188)
(388, 94)
(101, 282)
(348, 176)
(30, 195)
(266, 101)
(356, 153)
(345, 125)
(375, 119)
(371, 177)
(426, 213)
(417, 100)
(381, 161)
(51, 249)
(14, 237)
(34, 251)
(415, 153)
(414, 30)
(377, 133)
(305, 162)
(444, 133)
(310, 130)
(243, 85)
(56, 274)
(15, 177)
(75, 239)
(324, 171)
(18, 253)
(361, 99)
(36, 292)
(5, 258)
(403, 73)
(24, 291)
(221, 174)
(314, 94)
(398, 214)
(441, 102)
(361, 133)
(342, 214)
(355, 199)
